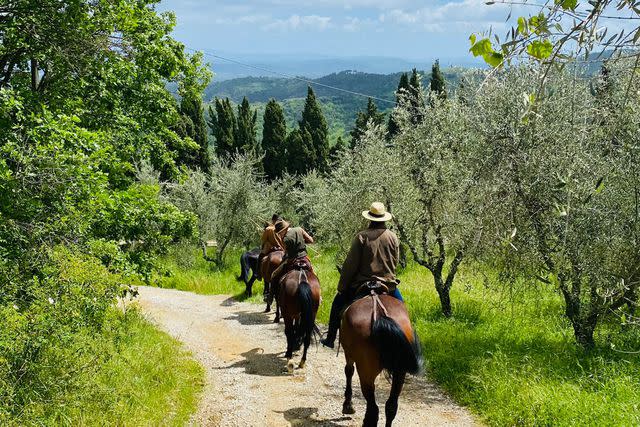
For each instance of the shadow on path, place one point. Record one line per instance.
(250, 318)
(257, 362)
(308, 417)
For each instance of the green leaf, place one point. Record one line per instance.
(481, 48)
(599, 185)
(567, 4)
(523, 28)
(495, 59)
(540, 49)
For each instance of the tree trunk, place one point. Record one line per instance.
(35, 75)
(583, 316)
(203, 244)
(443, 294)
(583, 331)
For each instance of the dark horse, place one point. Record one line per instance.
(299, 299)
(377, 335)
(249, 264)
(270, 263)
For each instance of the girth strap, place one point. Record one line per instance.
(377, 303)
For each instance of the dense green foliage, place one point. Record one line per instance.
(193, 125)
(313, 125)
(369, 117)
(245, 132)
(437, 82)
(83, 104)
(274, 136)
(223, 124)
(393, 126)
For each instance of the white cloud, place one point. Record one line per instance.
(355, 24)
(297, 22)
(467, 15)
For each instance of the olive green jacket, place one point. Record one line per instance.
(374, 255)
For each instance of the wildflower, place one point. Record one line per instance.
(51, 301)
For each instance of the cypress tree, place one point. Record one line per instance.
(300, 151)
(438, 85)
(363, 118)
(314, 123)
(274, 140)
(393, 127)
(336, 149)
(245, 132)
(416, 99)
(196, 128)
(222, 122)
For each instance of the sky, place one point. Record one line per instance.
(418, 30)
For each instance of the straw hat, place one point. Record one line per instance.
(377, 213)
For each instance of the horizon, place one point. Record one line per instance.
(417, 32)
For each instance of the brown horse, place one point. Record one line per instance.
(299, 300)
(269, 264)
(377, 335)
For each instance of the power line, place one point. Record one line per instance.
(288, 76)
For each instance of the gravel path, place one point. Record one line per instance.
(246, 380)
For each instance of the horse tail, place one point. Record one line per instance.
(244, 269)
(397, 353)
(307, 319)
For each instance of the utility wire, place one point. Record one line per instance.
(288, 76)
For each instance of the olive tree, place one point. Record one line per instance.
(229, 203)
(569, 207)
(439, 210)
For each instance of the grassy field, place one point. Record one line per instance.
(508, 354)
(131, 375)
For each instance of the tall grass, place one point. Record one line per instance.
(508, 353)
(130, 374)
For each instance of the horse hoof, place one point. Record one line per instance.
(266, 310)
(347, 409)
(301, 365)
(276, 320)
(290, 366)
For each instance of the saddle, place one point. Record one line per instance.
(301, 263)
(373, 287)
(296, 264)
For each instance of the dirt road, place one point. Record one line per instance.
(246, 380)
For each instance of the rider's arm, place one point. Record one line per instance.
(307, 237)
(351, 265)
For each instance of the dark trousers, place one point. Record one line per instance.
(341, 301)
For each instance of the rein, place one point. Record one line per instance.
(300, 273)
(377, 303)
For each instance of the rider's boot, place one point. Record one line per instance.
(334, 320)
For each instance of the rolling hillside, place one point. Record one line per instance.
(340, 108)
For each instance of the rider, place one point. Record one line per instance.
(270, 241)
(373, 256)
(295, 241)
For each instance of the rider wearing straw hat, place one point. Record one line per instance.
(373, 257)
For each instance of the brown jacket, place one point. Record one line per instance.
(270, 239)
(374, 255)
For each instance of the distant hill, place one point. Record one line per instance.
(314, 66)
(340, 108)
